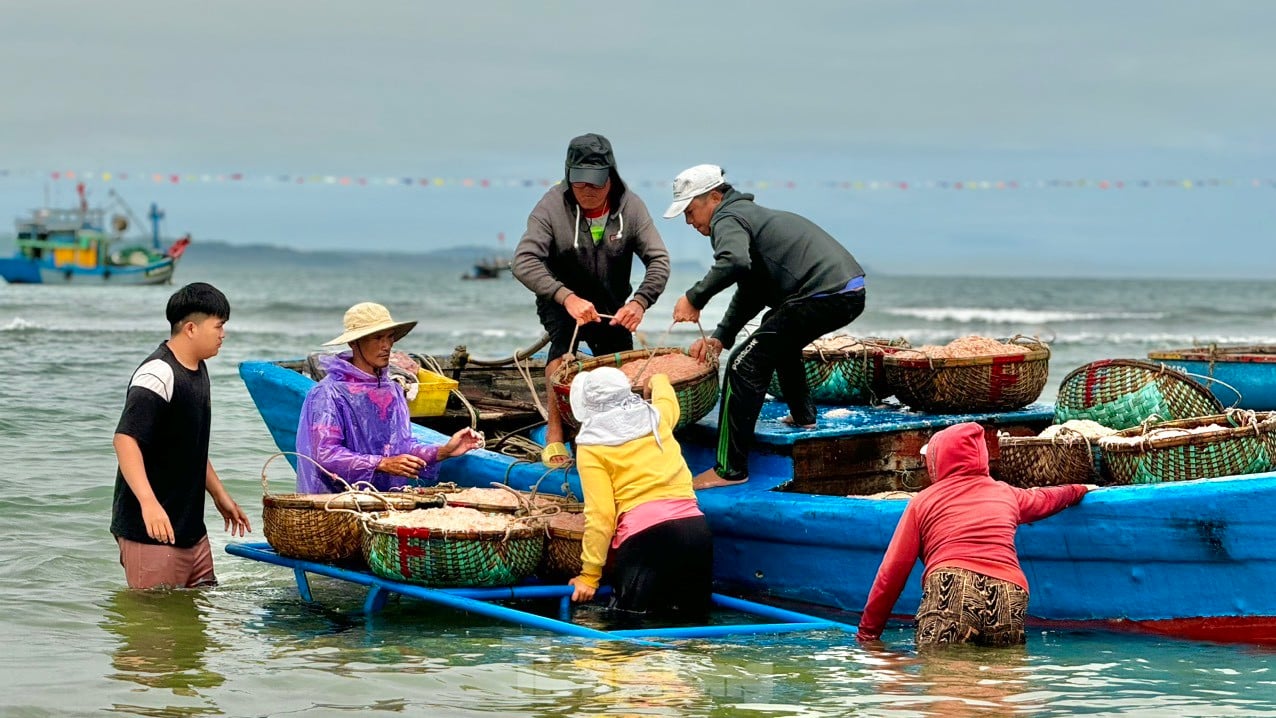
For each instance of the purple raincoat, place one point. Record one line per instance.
(349, 422)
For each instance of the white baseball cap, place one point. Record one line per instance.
(691, 183)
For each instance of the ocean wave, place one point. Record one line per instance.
(991, 315)
(19, 325)
(1168, 340)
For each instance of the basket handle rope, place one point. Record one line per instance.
(265, 483)
(355, 493)
(1211, 380)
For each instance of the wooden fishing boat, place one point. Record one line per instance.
(1192, 559)
(1244, 376)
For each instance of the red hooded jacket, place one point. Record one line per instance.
(964, 519)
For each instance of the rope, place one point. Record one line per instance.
(433, 365)
(519, 355)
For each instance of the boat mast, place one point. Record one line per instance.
(156, 215)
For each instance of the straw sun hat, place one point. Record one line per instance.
(366, 318)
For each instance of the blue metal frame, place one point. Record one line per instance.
(482, 601)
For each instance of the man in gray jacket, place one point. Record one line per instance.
(577, 255)
(778, 260)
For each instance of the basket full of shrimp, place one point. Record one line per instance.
(969, 375)
(694, 382)
(1233, 443)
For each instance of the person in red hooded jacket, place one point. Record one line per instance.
(963, 528)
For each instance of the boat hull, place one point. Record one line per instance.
(1193, 559)
(23, 271)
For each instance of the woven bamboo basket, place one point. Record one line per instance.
(321, 527)
(969, 384)
(853, 376)
(1123, 393)
(453, 558)
(1247, 445)
(496, 500)
(561, 559)
(697, 395)
(1030, 461)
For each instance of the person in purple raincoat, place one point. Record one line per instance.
(355, 423)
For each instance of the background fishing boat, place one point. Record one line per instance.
(60, 246)
(1190, 559)
(1244, 376)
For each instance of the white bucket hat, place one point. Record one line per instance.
(691, 183)
(609, 412)
(366, 318)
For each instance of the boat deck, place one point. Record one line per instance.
(484, 602)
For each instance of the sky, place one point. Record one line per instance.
(800, 100)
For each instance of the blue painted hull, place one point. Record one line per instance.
(25, 271)
(1194, 559)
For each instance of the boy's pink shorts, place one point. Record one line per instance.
(154, 565)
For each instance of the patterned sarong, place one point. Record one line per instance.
(961, 606)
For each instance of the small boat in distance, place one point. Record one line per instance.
(61, 246)
(488, 268)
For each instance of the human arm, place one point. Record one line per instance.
(665, 399)
(730, 261)
(321, 433)
(1038, 503)
(531, 256)
(154, 517)
(892, 574)
(237, 523)
(462, 442)
(600, 518)
(745, 305)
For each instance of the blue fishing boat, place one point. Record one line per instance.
(1192, 559)
(1244, 376)
(63, 246)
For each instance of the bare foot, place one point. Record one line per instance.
(710, 480)
(787, 420)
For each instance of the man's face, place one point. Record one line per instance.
(207, 335)
(700, 211)
(375, 348)
(591, 197)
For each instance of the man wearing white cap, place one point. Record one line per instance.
(354, 422)
(777, 260)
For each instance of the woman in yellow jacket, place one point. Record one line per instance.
(638, 499)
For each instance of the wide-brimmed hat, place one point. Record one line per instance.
(589, 159)
(367, 318)
(691, 183)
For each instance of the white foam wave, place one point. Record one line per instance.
(967, 315)
(19, 324)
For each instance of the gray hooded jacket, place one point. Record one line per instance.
(557, 256)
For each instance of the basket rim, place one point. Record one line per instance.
(571, 369)
(1056, 440)
(1153, 368)
(870, 346)
(1266, 425)
(924, 362)
(518, 531)
(349, 501)
(1248, 354)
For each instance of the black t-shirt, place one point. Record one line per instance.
(169, 411)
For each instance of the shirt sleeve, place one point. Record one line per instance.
(897, 564)
(655, 257)
(600, 514)
(142, 409)
(325, 432)
(1038, 503)
(730, 261)
(745, 305)
(665, 399)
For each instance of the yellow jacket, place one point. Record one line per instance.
(618, 478)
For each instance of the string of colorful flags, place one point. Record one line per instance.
(174, 178)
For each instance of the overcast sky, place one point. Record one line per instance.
(805, 90)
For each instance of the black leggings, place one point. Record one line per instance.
(667, 568)
(775, 348)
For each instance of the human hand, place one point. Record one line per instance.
(155, 518)
(701, 349)
(683, 311)
(1090, 487)
(583, 591)
(463, 441)
(236, 520)
(629, 316)
(405, 465)
(582, 310)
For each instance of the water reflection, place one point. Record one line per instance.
(645, 681)
(163, 640)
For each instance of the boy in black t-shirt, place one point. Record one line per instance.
(161, 443)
